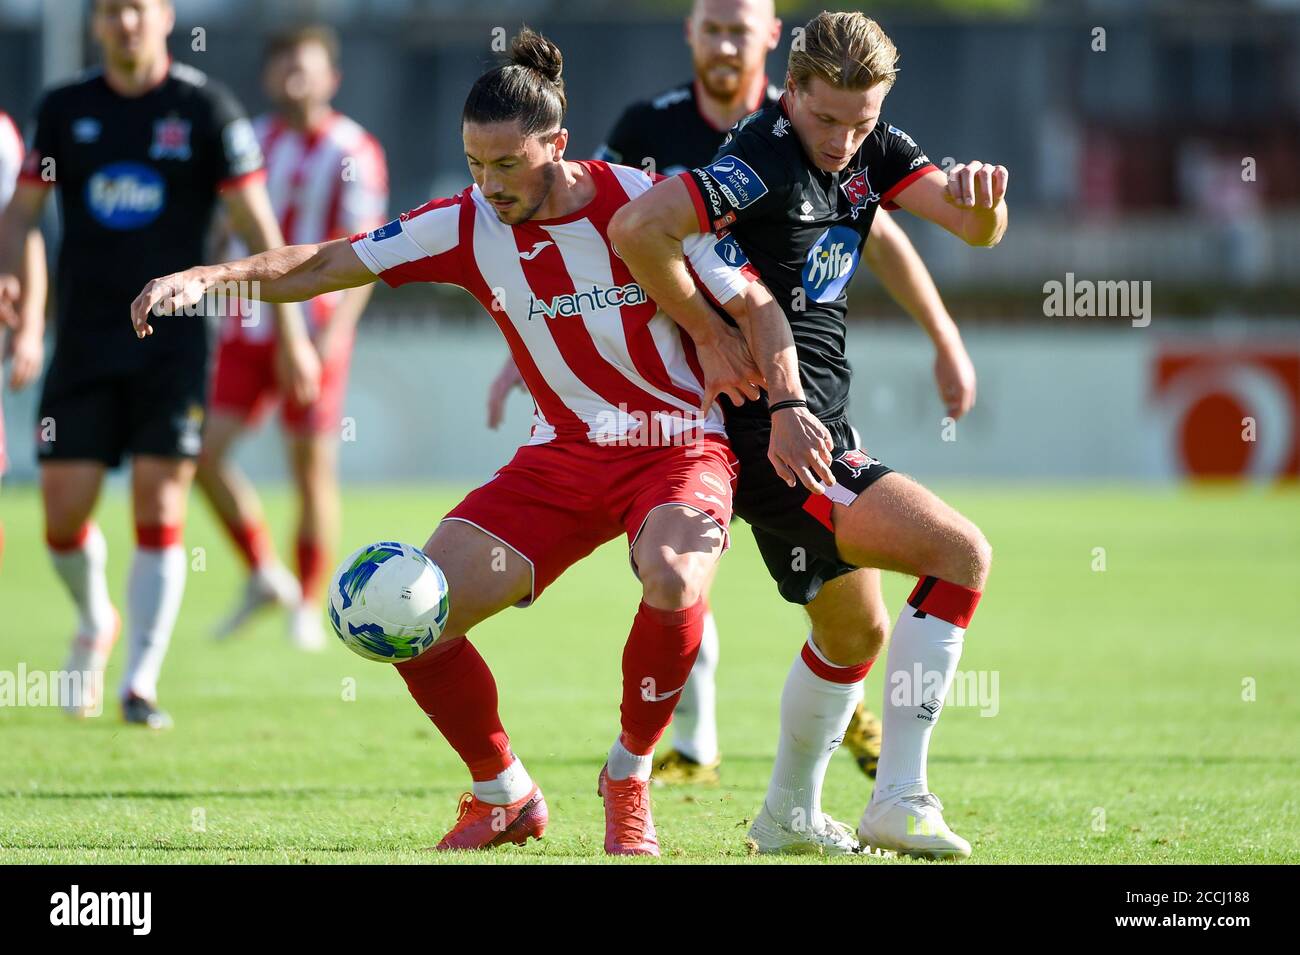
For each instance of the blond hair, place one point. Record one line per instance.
(848, 51)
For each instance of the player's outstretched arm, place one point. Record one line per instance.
(297, 364)
(293, 273)
(648, 233)
(969, 201)
(26, 347)
(17, 223)
(892, 257)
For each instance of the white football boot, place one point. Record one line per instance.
(824, 837)
(911, 826)
(269, 586)
(305, 629)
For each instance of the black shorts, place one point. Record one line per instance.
(89, 414)
(791, 524)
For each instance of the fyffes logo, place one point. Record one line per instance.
(126, 195)
(831, 263)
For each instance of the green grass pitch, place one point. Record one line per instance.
(1147, 712)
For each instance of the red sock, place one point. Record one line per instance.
(157, 536)
(454, 687)
(61, 545)
(951, 603)
(311, 567)
(251, 540)
(657, 659)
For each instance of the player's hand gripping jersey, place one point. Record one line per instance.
(615, 382)
(802, 230)
(599, 359)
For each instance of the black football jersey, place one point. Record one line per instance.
(668, 134)
(137, 179)
(802, 230)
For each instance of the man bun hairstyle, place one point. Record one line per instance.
(528, 89)
(847, 51)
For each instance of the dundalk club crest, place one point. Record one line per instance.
(857, 189)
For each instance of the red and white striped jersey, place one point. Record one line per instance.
(11, 158)
(602, 362)
(325, 184)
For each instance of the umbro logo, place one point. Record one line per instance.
(805, 212)
(535, 250)
(932, 706)
(781, 127)
(86, 129)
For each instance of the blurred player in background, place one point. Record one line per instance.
(25, 317)
(683, 128)
(327, 179)
(140, 151)
(797, 187)
(619, 445)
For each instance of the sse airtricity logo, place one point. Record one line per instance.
(830, 264)
(126, 195)
(739, 183)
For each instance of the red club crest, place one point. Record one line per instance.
(857, 189)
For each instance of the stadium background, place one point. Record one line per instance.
(1167, 157)
(1127, 165)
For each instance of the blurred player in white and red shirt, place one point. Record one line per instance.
(24, 344)
(619, 445)
(327, 178)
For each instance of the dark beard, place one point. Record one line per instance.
(548, 177)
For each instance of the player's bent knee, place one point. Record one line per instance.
(673, 582)
(877, 633)
(850, 633)
(979, 558)
(845, 645)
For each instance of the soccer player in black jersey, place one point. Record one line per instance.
(140, 151)
(683, 128)
(797, 186)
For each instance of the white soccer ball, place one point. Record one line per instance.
(389, 602)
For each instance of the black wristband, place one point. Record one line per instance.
(791, 403)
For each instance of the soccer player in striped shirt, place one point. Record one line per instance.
(626, 437)
(682, 128)
(25, 343)
(327, 178)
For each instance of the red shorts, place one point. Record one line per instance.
(244, 385)
(556, 503)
